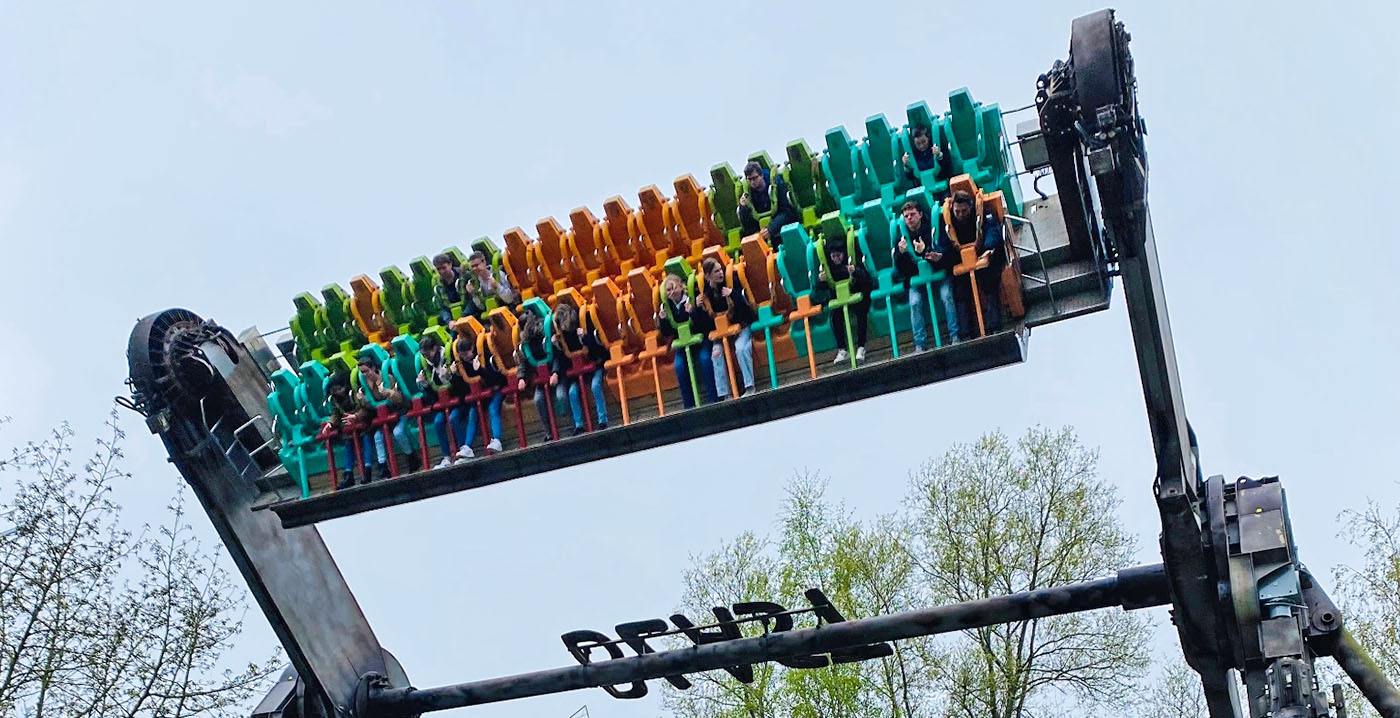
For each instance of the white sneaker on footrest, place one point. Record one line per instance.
(841, 356)
(465, 452)
(493, 445)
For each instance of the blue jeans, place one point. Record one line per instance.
(493, 413)
(542, 407)
(743, 356)
(704, 374)
(600, 404)
(918, 313)
(440, 423)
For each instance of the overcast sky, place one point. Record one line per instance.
(225, 159)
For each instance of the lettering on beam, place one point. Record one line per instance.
(774, 617)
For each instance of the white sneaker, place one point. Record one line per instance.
(841, 356)
(446, 462)
(750, 391)
(493, 445)
(860, 353)
(465, 452)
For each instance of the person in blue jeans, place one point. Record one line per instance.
(470, 366)
(679, 310)
(435, 377)
(717, 297)
(985, 231)
(345, 410)
(575, 344)
(534, 343)
(917, 243)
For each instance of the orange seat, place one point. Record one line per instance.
(501, 337)
(555, 255)
(608, 315)
(641, 308)
(694, 217)
(969, 263)
(617, 230)
(656, 225)
(522, 264)
(367, 306)
(589, 247)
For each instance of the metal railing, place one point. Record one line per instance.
(1044, 277)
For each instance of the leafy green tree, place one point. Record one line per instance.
(1369, 594)
(1175, 692)
(998, 517)
(96, 621)
(987, 519)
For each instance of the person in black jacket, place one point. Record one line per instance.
(920, 244)
(843, 267)
(571, 337)
(533, 339)
(926, 156)
(469, 365)
(716, 297)
(683, 312)
(765, 196)
(986, 231)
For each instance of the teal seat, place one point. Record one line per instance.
(920, 116)
(403, 366)
(797, 266)
(301, 454)
(539, 307)
(882, 162)
(927, 275)
(311, 393)
(995, 155)
(839, 169)
(877, 244)
(380, 356)
(966, 123)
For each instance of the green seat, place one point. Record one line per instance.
(724, 193)
(457, 255)
(308, 328)
(488, 247)
(803, 180)
(686, 338)
(397, 297)
(340, 322)
(424, 278)
(842, 297)
(301, 454)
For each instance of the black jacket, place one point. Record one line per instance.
(571, 343)
(762, 202)
(906, 263)
(700, 322)
(991, 239)
(742, 313)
